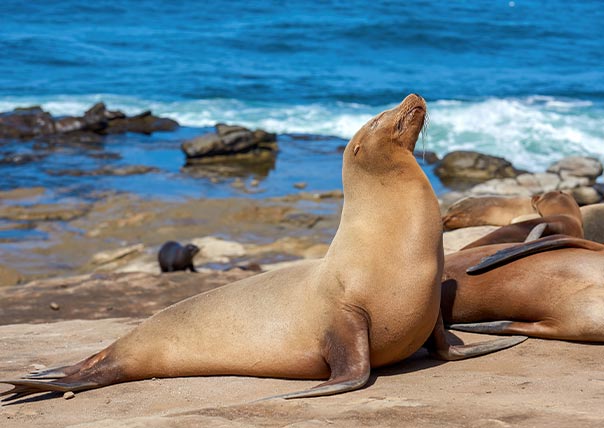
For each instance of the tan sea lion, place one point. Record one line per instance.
(485, 211)
(552, 288)
(334, 318)
(560, 214)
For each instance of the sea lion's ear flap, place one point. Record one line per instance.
(356, 149)
(534, 200)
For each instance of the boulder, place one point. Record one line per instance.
(229, 140)
(502, 187)
(144, 123)
(26, 123)
(593, 222)
(586, 195)
(474, 166)
(578, 166)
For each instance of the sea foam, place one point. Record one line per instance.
(531, 132)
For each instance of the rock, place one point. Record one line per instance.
(144, 123)
(530, 182)
(229, 140)
(218, 250)
(21, 158)
(586, 195)
(474, 166)
(578, 166)
(68, 395)
(22, 193)
(106, 170)
(593, 222)
(9, 276)
(570, 182)
(547, 181)
(301, 185)
(501, 186)
(54, 306)
(44, 212)
(25, 123)
(454, 240)
(105, 257)
(425, 156)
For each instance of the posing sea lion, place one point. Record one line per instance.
(552, 288)
(173, 257)
(485, 211)
(560, 214)
(334, 318)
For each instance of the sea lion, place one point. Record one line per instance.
(173, 257)
(333, 318)
(552, 288)
(485, 211)
(560, 214)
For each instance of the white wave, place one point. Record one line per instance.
(531, 132)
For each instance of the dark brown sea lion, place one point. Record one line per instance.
(173, 257)
(334, 318)
(560, 214)
(552, 288)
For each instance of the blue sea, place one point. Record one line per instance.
(518, 79)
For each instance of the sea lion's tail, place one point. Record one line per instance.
(93, 372)
(507, 255)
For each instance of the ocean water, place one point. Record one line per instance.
(519, 79)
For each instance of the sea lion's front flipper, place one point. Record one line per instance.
(346, 350)
(439, 347)
(516, 252)
(536, 232)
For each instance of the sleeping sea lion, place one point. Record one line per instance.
(552, 288)
(560, 214)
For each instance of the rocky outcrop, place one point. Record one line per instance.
(33, 122)
(474, 166)
(587, 168)
(230, 142)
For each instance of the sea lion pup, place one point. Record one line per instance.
(485, 211)
(334, 318)
(173, 257)
(552, 288)
(560, 214)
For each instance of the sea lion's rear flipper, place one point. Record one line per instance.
(23, 388)
(439, 347)
(346, 350)
(516, 252)
(542, 329)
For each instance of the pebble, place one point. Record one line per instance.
(54, 306)
(68, 395)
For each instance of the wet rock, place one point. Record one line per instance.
(301, 185)
(22, 193)
(230, 140)
(20, 158)
(106, 170)
(9, 276)
(474, 166)
(26, 123)
(144, 123)
(578, 166)
(427, 156)
(44, 212)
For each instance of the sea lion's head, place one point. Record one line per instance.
(191, 250)
(389, 135)
(554, 203)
